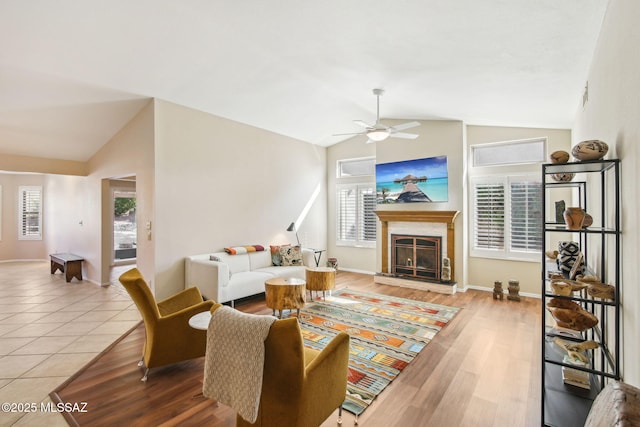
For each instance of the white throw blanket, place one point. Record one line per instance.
(234, 361)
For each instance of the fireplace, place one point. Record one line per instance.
(419, 267)
(418, 257)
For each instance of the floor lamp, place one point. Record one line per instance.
(292, 227)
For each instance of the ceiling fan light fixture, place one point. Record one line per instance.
(378, 132)
(378, 135)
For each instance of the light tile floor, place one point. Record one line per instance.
(49, 329)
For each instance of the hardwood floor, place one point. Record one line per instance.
(482, 369)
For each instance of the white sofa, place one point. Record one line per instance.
(238, 276)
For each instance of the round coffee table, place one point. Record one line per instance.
(320, 279)
(284, 294)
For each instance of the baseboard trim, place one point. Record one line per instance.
(354, 270)
(506, 292)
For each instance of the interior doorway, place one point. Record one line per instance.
(125, 227)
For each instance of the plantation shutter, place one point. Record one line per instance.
(367, 213)
(347, 205)
(356, 221)
(30, 213)
(526, 216)
(489, 215)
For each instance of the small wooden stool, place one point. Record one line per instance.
(320, 279)
(69, 264)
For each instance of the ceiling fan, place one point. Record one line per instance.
(379, 132)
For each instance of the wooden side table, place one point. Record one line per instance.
(284, 294)
(69, 264)
(320, 279)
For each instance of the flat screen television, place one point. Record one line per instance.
(413, 181)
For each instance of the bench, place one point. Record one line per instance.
(69, 264)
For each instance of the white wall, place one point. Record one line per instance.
(69, 222)
(129, 153)
(222, 183)
(484, 271)
(612, 115)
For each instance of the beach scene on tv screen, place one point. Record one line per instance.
(413, 181)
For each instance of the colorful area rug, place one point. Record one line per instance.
(386, 334)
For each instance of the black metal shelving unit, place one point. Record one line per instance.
(566, 405)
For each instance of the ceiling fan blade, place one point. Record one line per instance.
(363, 124)
(379, 132)
(404, 126)
(345, 134)
(403, 135)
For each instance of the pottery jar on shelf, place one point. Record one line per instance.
(563, 177)
(590, 150)
(574, 218)
(588, 220)
(568, 254)
(559, 157)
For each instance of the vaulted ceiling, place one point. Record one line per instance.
(72, 73)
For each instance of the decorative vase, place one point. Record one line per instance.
(445, 275)
(588, 220)
(568, 253)
(497, 290)
(574, 218)
(560, 207)
(590, 150)
(514, 289)
(559, 157)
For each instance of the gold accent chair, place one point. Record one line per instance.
(169, 338)
(301, 387)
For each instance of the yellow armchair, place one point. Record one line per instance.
(169, 338)
(301, 387)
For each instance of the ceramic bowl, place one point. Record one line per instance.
(563, 177)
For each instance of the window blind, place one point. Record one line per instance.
(368, 206)
(30, 213)
(489, 215)
(347, 221)
(356, 219)
(507, 217)
(526, 216)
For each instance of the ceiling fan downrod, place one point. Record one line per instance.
(378, 93)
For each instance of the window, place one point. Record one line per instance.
(509, 153)
(507, 217)
(356, 218)
(30, 213)
(365, 166)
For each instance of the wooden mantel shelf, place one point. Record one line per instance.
(442, 217)
(447, 217)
